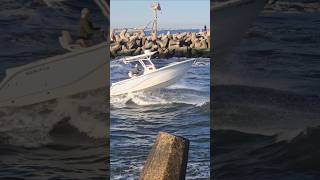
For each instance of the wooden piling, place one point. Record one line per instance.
(168, 158)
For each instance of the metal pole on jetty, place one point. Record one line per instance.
(184, 44)
(155, 7)
(168, 158)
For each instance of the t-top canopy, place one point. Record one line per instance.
(147, 55)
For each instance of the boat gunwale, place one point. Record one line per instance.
(12, 72)
(57, 87)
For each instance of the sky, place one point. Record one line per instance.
(175, 13)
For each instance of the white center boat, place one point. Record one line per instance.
(68, 74)
(151, 77)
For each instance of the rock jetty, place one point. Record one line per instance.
(184, 44)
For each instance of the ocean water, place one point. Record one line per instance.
(182, 109)
(266, 118)
(62, 139)
(59, 139)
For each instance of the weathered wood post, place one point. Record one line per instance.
(168, 158)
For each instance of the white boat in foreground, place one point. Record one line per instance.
(150, 78)
(78, 71)
(68, 74)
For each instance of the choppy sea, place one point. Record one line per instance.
(182, 109)
(266, 118)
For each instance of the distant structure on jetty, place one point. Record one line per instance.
(155, 7)
(126, 42)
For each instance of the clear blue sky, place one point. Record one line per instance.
(174, 14)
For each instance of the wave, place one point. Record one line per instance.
(161, 97)
(300, 154)
(34, 125)
(264, 111)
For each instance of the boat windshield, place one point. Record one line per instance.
(147, 62)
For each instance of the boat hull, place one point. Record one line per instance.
(160, 78)
(55, 77)
(231, 20)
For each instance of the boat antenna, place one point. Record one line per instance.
(155, 7)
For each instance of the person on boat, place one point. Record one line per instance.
(136, 70)
(87, 30)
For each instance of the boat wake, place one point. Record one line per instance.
(83, 115)
(161, 97)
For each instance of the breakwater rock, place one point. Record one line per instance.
(185, 44)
